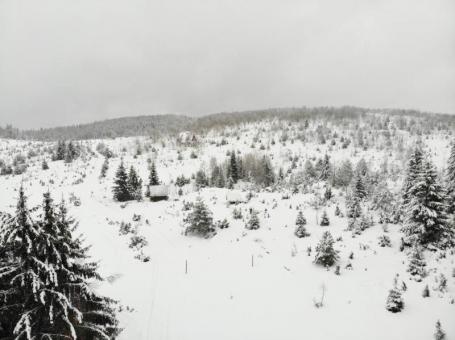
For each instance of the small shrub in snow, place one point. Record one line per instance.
(237, 214)
(137, 242)
(224, 224)
(426, 292)
(439, 333)
(384, 241)
(253, 222)
(442, 286)
(324, 219)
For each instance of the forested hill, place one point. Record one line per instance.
(111, 128)
(169, 124)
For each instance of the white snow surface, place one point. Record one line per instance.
(240, 284)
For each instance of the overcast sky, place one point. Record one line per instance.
(74, 61)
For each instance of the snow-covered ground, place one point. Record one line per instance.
(240, 284)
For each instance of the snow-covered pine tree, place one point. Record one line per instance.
(326, 168)
(354, 210)
(134, 184)
(45, 294)
(300, 230)
(20, 269)
(104, 168)
(269, 176)
(413, 169)
(39, 309)
(358, 187)
(394, 301)
(345, 174)
(71, 152)
(233, 171)
(326, 255)
(450, 181)
(199, 221)
(75, 272)
(324, 219)
(60, 151)
(417, 263)
(309, 170)
(120, 189)
(153, 177)
(426, 219)
(253, 222)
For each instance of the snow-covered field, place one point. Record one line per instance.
(240, 284)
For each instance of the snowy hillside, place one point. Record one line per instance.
(239, 283)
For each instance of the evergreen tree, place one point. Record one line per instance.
(201, 179)
(60, 151)
(71, 152)
(233, 169)
(300, 223)
(309, 170)
(253, 222)
(450, 181)
(394, 301)
(417, 264)
(75, 272)
(104, 168)
(426, 218)
(326, 169)
(20, 271)
(345, 174)
(354, 209)
(153, 177)
(412, 172)
(199, 221)
(324, 219)
(46, 295)
(269, 176)
(120, 189)
(328, 193)
(134, 184)
(326, 255)
(358, 187)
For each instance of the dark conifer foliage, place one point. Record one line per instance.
(120, 189)
(153, 177)
(426, 221)
(44, 291)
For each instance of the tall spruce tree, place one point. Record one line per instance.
(153, 177)
(233, 170)
(104, 167)
(426, 219)
(120, 190)
(134, 184)
(413, 169)
(44, 289)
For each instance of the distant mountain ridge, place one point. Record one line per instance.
(156, 125)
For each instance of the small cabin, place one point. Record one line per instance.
(159, 192)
